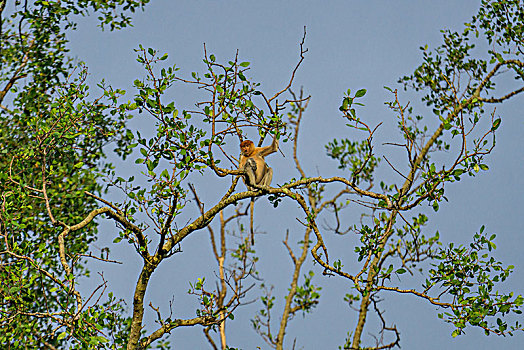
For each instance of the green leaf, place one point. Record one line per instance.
(244, 64)
(496, 124)
(345, 104)
(360, 93)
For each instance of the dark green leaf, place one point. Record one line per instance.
(360, 93)
(496, 124)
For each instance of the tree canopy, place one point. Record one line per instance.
(57, 184)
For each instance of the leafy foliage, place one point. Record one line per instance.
(52, 168)
(52, 134)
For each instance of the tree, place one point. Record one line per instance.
(52, 135)
(61, 198)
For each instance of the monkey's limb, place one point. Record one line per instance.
(268, 176)
(251, 169)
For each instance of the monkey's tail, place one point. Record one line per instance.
(251, 230)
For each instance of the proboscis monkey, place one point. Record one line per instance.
(257, 171)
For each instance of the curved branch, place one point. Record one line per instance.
(503, 98)
(419, 294)
(168, 327)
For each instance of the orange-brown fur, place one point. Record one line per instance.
(262, 175)
(248, 150)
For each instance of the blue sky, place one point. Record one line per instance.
(352, 44)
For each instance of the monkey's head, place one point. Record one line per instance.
(247, 147)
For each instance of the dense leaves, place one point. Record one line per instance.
(52, 134)
(55, 135)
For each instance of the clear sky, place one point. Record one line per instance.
(352, 44)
